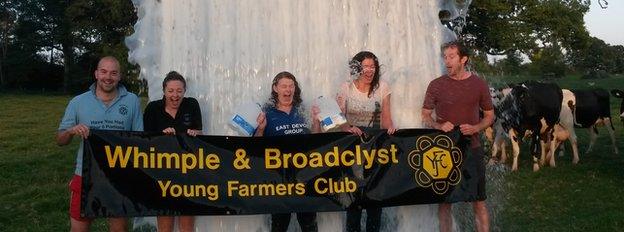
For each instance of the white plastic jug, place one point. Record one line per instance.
(244, 118)
(330, 115)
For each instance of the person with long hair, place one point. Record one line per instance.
(283, 116)
(174, 114)
(365, 101)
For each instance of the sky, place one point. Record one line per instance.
(606, 24)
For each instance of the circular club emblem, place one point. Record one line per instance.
(436, 162)
(123, 109)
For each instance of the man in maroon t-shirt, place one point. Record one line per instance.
(457, 98)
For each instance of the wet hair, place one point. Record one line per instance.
(356, 68)
(296, 98)
(173, 76)
(462, 49)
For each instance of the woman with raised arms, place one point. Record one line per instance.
(284, 116)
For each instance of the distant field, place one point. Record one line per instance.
(584, 197)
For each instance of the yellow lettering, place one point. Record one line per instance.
(176, 191)
(335, 162)
(316, 160)
(138, 155)
(280, 189)
(212, 160)
(213, 192)
(369, 158)
(286, 156)
(266, 190)
(317, 186)
(152, 157)
(168, 158)
(232, 185)
(351, 185)
(163, 188)
(382, 156)
(118, 155)
(271, 158)
(358, 157)
(300, 160)
(300, 188)
(343, 158)
(185, 161)
(393, 151)
(252, 189)
(243, 190)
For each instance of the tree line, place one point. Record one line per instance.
(549, 34)
(53, 45)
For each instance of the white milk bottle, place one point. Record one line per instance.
(244, 117)
(330, 115)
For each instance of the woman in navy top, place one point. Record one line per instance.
(284, 117)
(170, 115)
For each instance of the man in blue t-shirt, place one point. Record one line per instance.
(107, 106)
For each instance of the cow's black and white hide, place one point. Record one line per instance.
(495, 134)
(530, 107)
(619, 94)
(591, 108)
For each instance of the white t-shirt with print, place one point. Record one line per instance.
(359, 109)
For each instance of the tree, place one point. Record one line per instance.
(103, 24)
(598, 59)
(619, 59)
(72, 34)
(549, 62)
(499, 27)
(7, 24)
(512, 62)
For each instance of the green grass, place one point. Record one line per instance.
(584, 197)
(35, 171)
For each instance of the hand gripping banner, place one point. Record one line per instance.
(127, 174)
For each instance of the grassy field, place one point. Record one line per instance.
(584, 197)
(35, 171)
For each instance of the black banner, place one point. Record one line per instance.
(143, 174)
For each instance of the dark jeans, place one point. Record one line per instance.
(373, 218)
(307, 222)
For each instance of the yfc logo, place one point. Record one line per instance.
(436, 162)
(123, 109)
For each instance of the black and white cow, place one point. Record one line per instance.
(619, 94)
(495, 134)
(591, 108)
(531, 107)
(579, 108)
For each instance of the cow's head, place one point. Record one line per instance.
(528, 106)
(619, 94)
